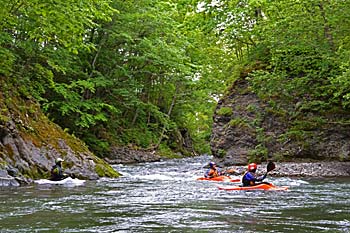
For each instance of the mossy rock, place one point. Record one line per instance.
(106, 171)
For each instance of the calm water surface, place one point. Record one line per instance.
(165, 197)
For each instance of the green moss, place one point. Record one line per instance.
(35, 127)
(33, 173)
(2, 163)
(9, 151)
(4, 118)
(252, 108)
(308, 124)
(38, 128)
(297, 135)
(104, 170)
(225, 111)
(277, 112)
(235, 122)
(238, 122)
(244, 91)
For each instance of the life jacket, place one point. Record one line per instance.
(213, 173)
(56, 172)
(247, 182)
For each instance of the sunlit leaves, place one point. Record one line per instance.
(62, 23)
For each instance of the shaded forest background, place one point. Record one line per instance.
(147, 74)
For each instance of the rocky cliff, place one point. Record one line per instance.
(30, 143)
(247, 128)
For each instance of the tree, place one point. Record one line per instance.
(140, 85)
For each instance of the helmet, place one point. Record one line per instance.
(59, 160)
(212, 164)
(252, 167)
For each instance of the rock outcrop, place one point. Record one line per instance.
(247, 128)
(30, 143)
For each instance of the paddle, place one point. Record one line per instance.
(270, 167)
(229, 172)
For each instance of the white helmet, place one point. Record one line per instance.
(59, 160)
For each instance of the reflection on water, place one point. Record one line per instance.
(165, 197)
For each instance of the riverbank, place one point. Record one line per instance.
(124, 155)
(291, 169)
(305, 169)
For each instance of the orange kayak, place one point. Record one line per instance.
(255, 187)
(220, 179)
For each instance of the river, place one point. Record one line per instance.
(165, 197)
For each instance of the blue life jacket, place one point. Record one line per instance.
(250, 179)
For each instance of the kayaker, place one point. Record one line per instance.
(57, 171)
(250, 178)
(213, 171)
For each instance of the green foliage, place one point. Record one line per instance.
(304, 51)
(166, 152)
(297, 135)
(341, 85)
(237, 122)
(225, 111)
(85, 112)
(303, 72)
(141, 84)
(136, 72)
(7, 60)
(259, 153)
(221, 153)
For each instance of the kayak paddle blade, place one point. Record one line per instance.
(270, 166)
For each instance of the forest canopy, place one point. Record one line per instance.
(148, 73)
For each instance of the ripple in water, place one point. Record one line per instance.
(165, 197)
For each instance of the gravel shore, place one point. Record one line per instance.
(305, 169)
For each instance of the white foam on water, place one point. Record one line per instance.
(286, 181)
(67, 182)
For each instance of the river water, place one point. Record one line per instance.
(165, 197)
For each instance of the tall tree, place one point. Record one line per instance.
(143, 81)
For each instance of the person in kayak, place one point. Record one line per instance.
(213, 171)
(57, 171)
(250, 178)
